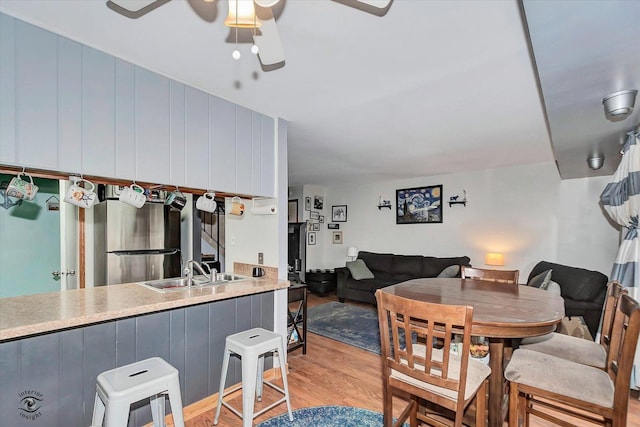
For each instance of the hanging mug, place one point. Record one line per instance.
(22, 189)
(176, 200)
(83, 197)
(133, 195)
(207, 203)
(237, 207)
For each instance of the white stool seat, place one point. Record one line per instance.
(251, 345)
(118, 388)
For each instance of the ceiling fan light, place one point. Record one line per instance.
(619, 104)
(246, 14)
(266, 3)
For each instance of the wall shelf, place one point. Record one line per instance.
(461, 202)
(384, 206)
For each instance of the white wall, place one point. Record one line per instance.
(526, 212)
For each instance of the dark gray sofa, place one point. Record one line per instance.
(389, 269)
(583, 291)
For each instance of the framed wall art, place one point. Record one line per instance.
(314, 215)
(336, 237)
(420, 205)
(307, 203)
(321, 219)
(318, 202)
(311, 238)
(333, 226)
(316, 226)
(339, 213)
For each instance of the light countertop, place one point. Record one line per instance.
(41, 313)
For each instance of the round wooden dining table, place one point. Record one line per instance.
(500, 312)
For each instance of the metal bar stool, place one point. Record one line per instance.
(251, 345)
(150, 379)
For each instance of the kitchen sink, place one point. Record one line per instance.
(199, 281)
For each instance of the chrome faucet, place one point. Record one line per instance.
(191, 265)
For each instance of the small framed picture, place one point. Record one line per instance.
(311, 238)
(339, 213)
(316, 226)
(307, 203)
(333, 226)
(336, 237)
(321, 219)
(318, 202)
(314, 215)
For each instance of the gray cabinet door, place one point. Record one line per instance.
(69, 75)
(244, 154)
(268, 158)
(177, 164)
(197, 137)
(98, 113)
(152, 127)
(36, 86)
(222, 118)
(8, 90)
(125, 132)
(256, 150)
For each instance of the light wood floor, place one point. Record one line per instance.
(333, 373)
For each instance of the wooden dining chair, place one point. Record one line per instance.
(580, 350)
(440, 376)
(500, 276)
(539, 382)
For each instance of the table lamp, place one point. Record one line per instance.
(494, 258)
(352, 253)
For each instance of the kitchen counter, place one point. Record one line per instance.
(42, 313)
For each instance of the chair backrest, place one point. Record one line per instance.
(500, 276)
(624, 340)
(403, 320)
(614, 291)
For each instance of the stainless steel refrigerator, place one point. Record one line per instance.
(133, 245)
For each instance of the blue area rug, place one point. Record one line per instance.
(350, 324)
(327, 416)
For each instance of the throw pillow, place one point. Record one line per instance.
(451, 271)
(541, 279)
(359, 270)
(552, 287)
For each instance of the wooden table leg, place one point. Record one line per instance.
(496, 382)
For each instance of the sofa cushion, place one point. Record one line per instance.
(408, 265)
(451, 271)
(540, 280)
(359, 270)
(577, 283)
(370, 285)
(432, 266)
(376, 262)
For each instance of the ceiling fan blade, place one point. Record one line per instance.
(268, 41)
(134, 8)
(380, 4)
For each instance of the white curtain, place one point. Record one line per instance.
(621, 200)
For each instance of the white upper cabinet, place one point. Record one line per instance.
(68, 107)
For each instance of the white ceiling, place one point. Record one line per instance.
(431, 87)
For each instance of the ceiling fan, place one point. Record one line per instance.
(257, 14)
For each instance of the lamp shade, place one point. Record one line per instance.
(242, 14)
(352, 252)
(494, 258)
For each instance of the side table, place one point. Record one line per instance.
(297, 318)
(321, 281)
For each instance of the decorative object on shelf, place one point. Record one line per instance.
(333, 226)
(455, 200)
(352, 253)
(316, 226)
(292, 210)
(321, 219)
(307, 203)
(312, 238)
(494, 258)
(314, 215)
(419, 205)
(336, 237)
(53, 203)
(383, 203)
(264, 206)
(6, 201)
(339, 213)
(318, 202)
